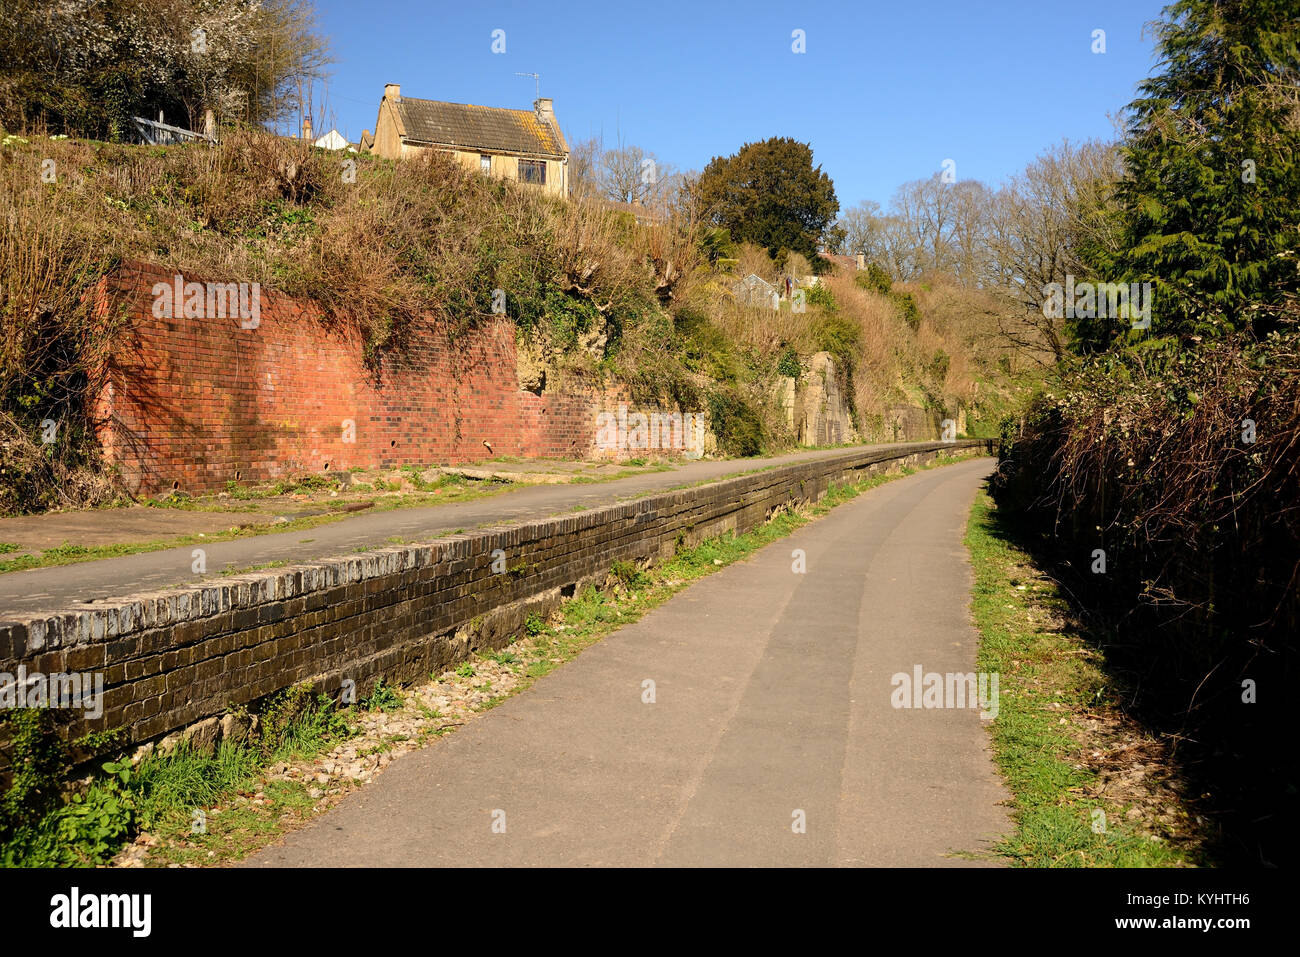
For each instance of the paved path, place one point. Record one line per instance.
(772, 695)
(50, 589)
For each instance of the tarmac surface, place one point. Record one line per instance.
(772, 740)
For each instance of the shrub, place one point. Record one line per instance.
(907, 307)
(820, 295)
(735, 423)
(874, 279)
(1180, 469)
(628, 574)
(789, 364)
(938, 367)
(39, 829)
(383, 698)
(298, 718)
(838, 335)
(716, 244)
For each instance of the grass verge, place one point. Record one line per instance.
(1091, 788)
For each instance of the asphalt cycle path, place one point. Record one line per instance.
(775, 737)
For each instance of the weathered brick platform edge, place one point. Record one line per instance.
(180, 659)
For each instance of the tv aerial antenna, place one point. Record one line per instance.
(537, 83)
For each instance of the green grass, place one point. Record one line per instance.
(162, 793)
(383, 698)
(263, 566)
(1046, 675)
(241, 492)
(169, 788)
(67, 554)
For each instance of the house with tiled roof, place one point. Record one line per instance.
(523, 145)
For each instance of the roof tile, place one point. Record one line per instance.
(479, 127)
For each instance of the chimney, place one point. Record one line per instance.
(393, 91)
(862, 261)
(306, 127)
(545, 108)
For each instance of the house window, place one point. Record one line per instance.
(532, 171)
(485, 163)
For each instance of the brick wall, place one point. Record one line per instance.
(181, 658)
(196, 402)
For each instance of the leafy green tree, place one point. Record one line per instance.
(1209, 207)
(770, 194)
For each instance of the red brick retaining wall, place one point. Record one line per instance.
(194, 402)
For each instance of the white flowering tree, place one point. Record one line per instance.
(87, 66)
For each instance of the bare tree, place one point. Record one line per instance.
(927, 209)
(1038, 225)
(629, 174)
(1016, 240)
(898, 248)
(970, 253)
(863, 227)
(584, 172)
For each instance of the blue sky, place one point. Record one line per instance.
(885, 92)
